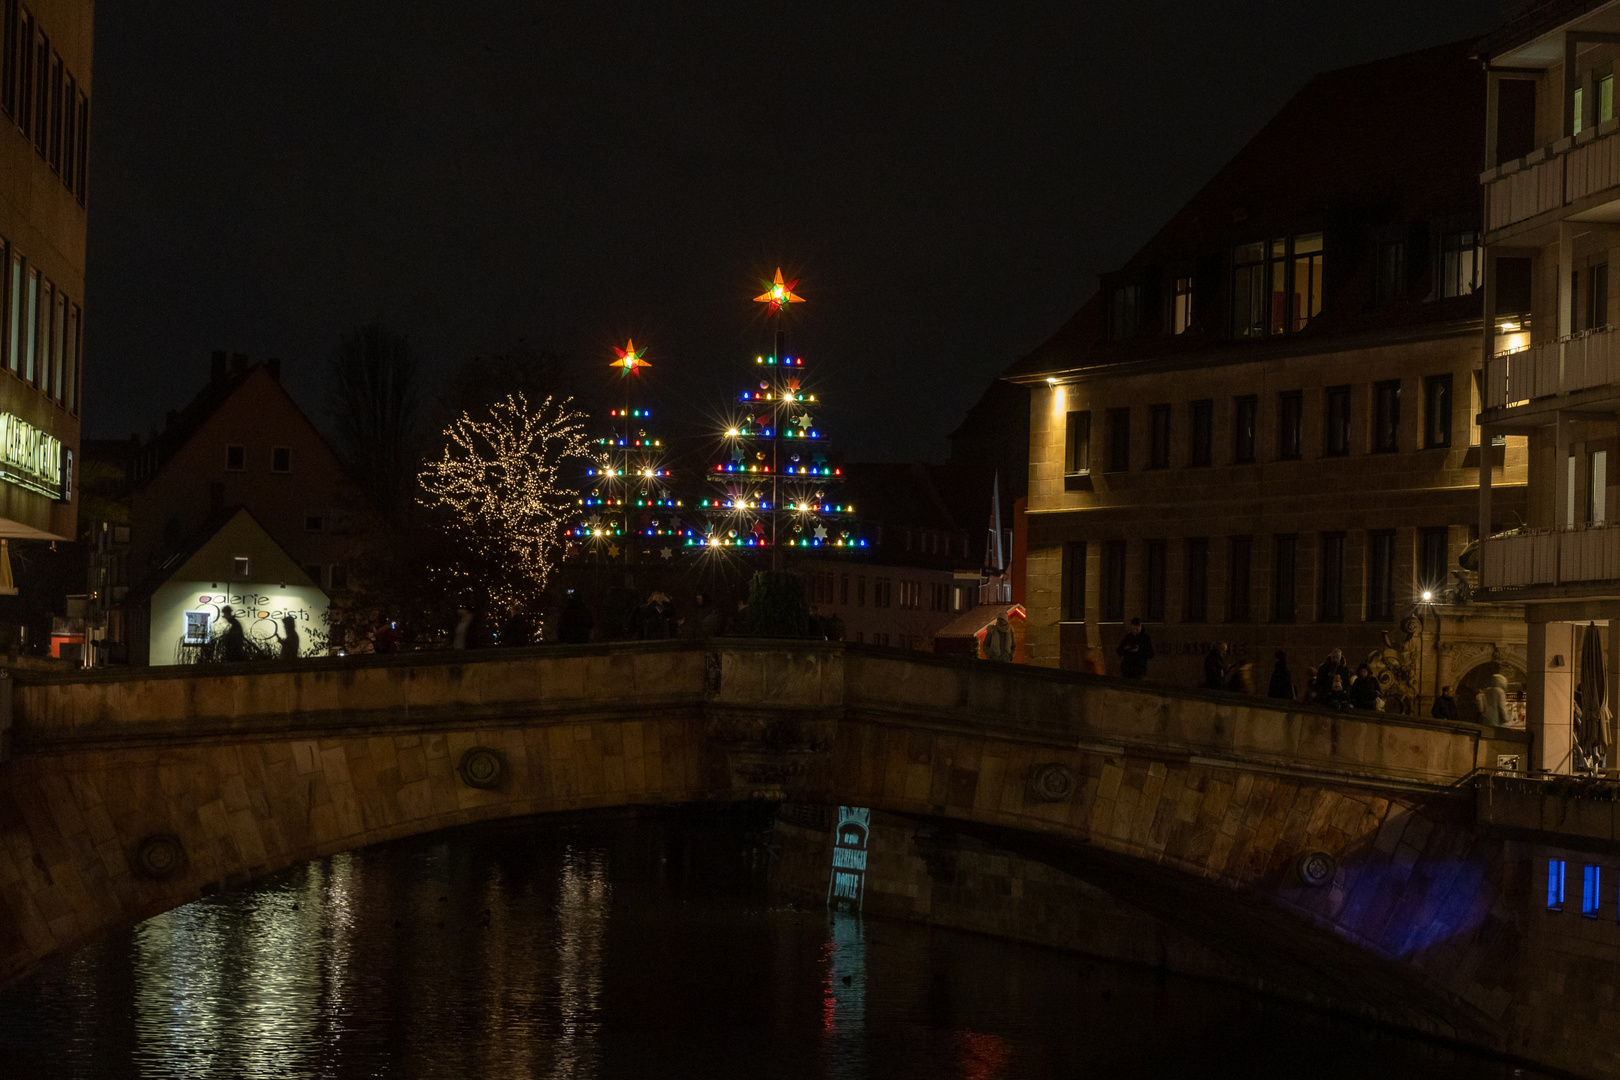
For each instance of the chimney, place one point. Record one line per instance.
(238, 363)
(273, 366)
(216, 371)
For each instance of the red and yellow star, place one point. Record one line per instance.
(779, 294)
(630, 358)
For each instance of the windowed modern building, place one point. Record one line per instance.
(44, 145)
(1260, 430)
(1551, 354)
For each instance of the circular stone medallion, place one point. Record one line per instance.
(480, 768)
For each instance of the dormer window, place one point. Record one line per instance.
(1181, 306)
(1276, 285)
(1124, 312)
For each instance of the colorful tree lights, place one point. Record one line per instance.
(629, 501)
(773, 465)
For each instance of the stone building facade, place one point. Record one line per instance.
(45, 54)
(1551, 354)
(1260, 430)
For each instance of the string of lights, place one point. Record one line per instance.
(774, 467)
(501, 479)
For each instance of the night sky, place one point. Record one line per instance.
(946, 179)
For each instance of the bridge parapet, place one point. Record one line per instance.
(749, 691)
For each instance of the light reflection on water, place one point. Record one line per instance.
(625, 949)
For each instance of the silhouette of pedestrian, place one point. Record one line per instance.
(235, 638)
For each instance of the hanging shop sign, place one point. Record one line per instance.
(846, 888)
(29, 457)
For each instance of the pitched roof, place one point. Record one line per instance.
(1377, 146)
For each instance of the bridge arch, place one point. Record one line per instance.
(130, 794)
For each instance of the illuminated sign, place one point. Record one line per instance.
(29, 457)
(846, 888)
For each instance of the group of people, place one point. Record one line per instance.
(1331, 684)
(233, 643)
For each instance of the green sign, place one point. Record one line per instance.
(29, 457)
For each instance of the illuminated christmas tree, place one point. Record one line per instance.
(777, 487)
(629, 512)
(501, 483)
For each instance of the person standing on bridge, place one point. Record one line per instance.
(1215, 668)
(1135, 650)
(234, 637)
(1282, 680)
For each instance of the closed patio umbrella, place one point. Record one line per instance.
(1592, 728)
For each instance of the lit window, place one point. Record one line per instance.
(1181, 306)
(1276, 285)
(1591, 876)
(1460, 262)
(1555, 884)
(1077, 444)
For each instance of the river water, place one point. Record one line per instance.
(628, 948)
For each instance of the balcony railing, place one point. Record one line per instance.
(1585, 553)
(1579, 362)
(1552, 177)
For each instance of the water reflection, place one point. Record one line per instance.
(844, 999)
(582, 916)
(626, 949)
(242, 989)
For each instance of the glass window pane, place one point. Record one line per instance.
(30, 348)
(14, 311)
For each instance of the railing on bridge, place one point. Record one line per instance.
(749, 682)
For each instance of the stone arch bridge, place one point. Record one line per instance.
(1348, 859)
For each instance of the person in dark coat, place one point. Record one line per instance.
(515, 630)
(1445, 706)
(1135, 650)
(1282, 680)
(574, 624)
(1364, 691)
(235, 637)
(1215, 667)
(1333, 666)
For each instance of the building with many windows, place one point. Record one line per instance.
(1260, 430)
(45, 52)
(1551, 353)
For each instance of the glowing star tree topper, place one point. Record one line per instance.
(629, 358)
(779, 294)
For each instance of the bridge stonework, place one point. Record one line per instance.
(1328, 856)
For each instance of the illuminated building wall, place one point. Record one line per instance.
(45, 99)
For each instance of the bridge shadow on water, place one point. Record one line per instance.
(1329, 857)
(634, 943)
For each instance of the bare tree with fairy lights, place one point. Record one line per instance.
(500, 481)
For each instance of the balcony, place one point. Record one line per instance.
(1580, 362)
(1568, 172)
(1583, 554)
